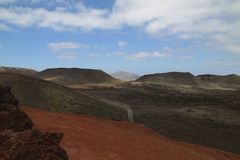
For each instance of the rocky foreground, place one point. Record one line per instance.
(19, 140)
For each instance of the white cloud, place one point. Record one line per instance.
(121, 43)
(144, 55)
(180, 18)
(58, 46)
(4, 27)
(65, 50)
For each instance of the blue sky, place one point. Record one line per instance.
(140, 36)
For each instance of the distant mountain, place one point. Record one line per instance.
(231, 80)
(46, 95)
(174, 78)
(24, 71)
(125, 76)
(75, 76)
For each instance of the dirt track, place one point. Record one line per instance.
(90, 138)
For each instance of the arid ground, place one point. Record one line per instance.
(88, 138)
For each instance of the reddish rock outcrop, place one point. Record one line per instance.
(18, 141)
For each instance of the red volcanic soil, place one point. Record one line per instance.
(90, 138)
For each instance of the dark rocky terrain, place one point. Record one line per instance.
(195, 109)
(230, 81)
(199, 116)
(46, 95)
(18, 140)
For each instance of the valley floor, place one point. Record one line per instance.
(91, 138)
(193, 115)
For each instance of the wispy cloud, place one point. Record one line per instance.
(189, 19)
(66, 50)
(121, 43)
(58, 46)
(144, 55)
(4, 27)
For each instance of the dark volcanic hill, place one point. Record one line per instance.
(231, 80)
(17, 70)
(125, 76)
(173, 78)
(46, 95)
(75, 76)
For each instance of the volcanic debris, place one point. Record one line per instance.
(19, 140)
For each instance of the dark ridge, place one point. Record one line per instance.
(175, 78)
(227, 80)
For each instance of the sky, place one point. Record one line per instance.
(139, 36)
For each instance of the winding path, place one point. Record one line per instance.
(116, 104)
(123, 106)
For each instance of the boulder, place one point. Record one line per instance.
(19, 140)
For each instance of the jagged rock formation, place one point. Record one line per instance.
(31, 145)
(10, 115)
(18, 141)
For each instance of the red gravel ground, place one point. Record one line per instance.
(90, 138)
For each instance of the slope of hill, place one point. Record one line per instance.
(204, 117)
(92, 138)
(53, 97)
(75, 76)
(24, 71)
(125, 76)
(231, 80)
(173, 78)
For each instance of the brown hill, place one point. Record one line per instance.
(92, 138)
(172, 78)
(53, 97)
(17, 70)
(75, 76)
(231, 80)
